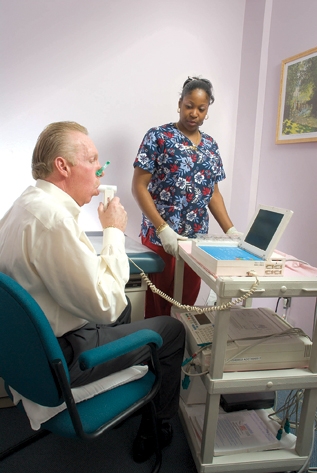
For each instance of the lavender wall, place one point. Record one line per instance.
(288, 171)
(283, 175)
(116, 67)
(246, 156)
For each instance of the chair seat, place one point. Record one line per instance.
(102, 408)
(33, 365)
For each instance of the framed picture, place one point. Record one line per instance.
(297, 108)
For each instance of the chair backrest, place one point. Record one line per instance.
(27, 345)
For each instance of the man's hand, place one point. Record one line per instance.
(169, 240)
(113, 215)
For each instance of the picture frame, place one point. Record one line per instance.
(297, 107)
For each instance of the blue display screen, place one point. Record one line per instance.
(229, 253)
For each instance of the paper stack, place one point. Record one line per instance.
(242, 431)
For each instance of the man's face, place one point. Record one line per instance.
(83, 183)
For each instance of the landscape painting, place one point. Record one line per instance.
(297, 110)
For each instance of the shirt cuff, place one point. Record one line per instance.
(114, 237)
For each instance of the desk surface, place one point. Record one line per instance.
(298, 279)
(145, 258)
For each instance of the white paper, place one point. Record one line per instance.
(241, 431)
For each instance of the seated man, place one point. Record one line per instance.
(44, 249)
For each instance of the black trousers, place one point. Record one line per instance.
(170, 354)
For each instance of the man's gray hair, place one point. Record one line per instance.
(53, 142)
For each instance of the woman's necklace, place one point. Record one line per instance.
(195, 141)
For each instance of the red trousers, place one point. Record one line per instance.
(156, 305)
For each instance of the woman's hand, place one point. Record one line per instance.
(169, 240)
(234, 232)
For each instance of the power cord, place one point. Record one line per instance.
(189, 362)
(192, 360)
(259, 340)
(304, 467)
(213, 308)
(290, 408)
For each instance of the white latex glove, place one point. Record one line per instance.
(234, 232)
(169, 240)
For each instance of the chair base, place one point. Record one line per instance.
(24, 443)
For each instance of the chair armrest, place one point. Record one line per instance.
(111, 350)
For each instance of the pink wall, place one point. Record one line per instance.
(288, 171)
(247, 110)
(286, 174)
(117, 68)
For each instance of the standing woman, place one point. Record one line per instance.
(175, 182)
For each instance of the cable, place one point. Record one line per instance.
(277, 303)
(228, 305)
(304, 467)
(295, 260)
(169, 299)
(259, 340)
(290, 408)
(315, 316)
(190, 361)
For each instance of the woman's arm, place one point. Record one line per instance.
(218, 209)
(140, 182)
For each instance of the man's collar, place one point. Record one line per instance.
(60, 195)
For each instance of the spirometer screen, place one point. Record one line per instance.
(263, 228)
(202, 319)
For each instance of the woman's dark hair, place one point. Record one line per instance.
(193, 83)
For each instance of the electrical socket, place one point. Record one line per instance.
(286, 302)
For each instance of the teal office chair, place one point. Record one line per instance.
(32, 363)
